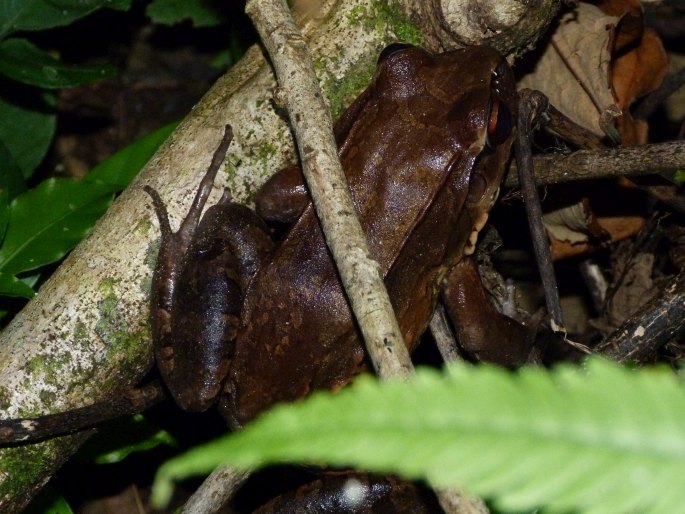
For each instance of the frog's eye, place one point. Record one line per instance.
(393, 49)
(499, 123)
(498, 74)
(500, 70)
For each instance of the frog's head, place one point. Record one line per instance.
(465, 101)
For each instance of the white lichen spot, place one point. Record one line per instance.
(355, 493)
(556, 328)
(28, 425)
(639, 331)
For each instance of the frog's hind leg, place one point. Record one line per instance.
(190, 222)
(172, 252)
(229, 246)
(202, 273)
(174, 245)
(483, 332)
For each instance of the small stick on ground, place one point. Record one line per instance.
(216, 490)
(531, 104)
(444, 338)
(629, 161)
(645, 332)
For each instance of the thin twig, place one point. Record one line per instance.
(653, 326)
(629, 161)
(531, 104)
(215, 491)
(126, 403)
(444, 338)
(313, 127)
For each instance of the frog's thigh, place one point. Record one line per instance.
(481, 329)
(229, 246)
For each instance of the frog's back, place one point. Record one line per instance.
(399, 153)
(297, 332)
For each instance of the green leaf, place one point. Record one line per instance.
(12, 286)
(42, 14)
(46, 222)
(161, 437)
(236, 49)
(27, 126)
(679, 177)
(11, 181)
(117, 171)
(608, 440)
(4, 212)
(49, 501)
(202, 13)
(121, 437)
(24, 62)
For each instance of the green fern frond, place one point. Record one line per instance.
(599, 440)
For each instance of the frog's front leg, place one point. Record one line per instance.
(483, 332)
(283, 197)
(202, 273)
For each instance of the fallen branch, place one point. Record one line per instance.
(654, 325)
(85, 337)
(628, 161)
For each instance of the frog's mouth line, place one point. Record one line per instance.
(480, 222)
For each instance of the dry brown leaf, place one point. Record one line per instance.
(576, 229)
(634, 74)
(600, 60)
(621, 7)
(573, 71)
(573, 224)
(617, 227)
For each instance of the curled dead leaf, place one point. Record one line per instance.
(618, 228)
(573, 71)
(587, 219)
(573, 224)
(599, 61)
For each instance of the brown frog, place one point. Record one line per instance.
(245, 322)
